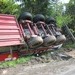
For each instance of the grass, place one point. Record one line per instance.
(14, 62)
(69, 45)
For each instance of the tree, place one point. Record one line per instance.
(36, 6)
(9, 7)
(63, 19)
(59, 13)
(71, 11)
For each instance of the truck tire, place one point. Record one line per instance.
(49, 40)
(61, 39)
(34, 42)
(25, 16)
(49, 20)
(38, 17)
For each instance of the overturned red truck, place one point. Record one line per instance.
(28, 35)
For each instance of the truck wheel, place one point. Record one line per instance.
(49, 40)
(49, 20)
(61, 39)
(25, 16)
(38, 17)
(35, 42)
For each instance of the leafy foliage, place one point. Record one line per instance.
(9, 7)
(63, 19)
(71, 11)
(36, 6)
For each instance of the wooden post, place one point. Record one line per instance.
(11, 53)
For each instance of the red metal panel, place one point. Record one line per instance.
(9, 36)
(7, 21)
(8, 27)
(6, 17)
(6, 56)
(10, 33)
(9, 43)
(7, 24)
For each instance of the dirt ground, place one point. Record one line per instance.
(42, 66)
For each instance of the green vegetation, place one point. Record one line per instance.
(71, 11)
(63, 19)
(15, 62)
(9, 7)
(46, 7)
(36, 6)
(69, 45)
